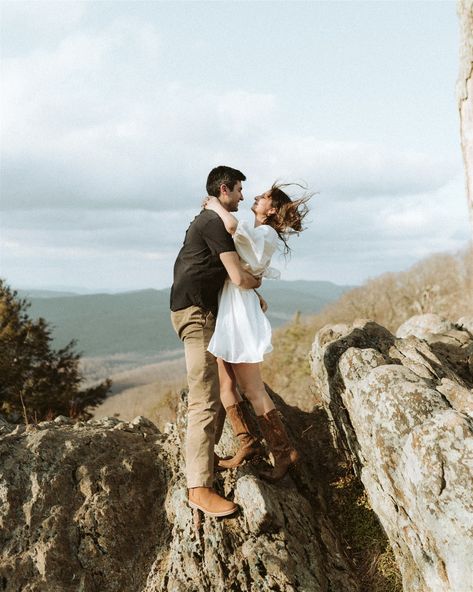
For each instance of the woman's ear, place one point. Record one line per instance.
(271, 212)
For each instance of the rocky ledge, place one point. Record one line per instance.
(401, 409)
(100, 506)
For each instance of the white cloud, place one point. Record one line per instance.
(105, 157)
(353, 169)
(346, 240)
(92, 122)
(352, 240)
(244, 114)
(24, 21)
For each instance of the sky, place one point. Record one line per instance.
(113, 114)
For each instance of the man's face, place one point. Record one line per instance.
(231, 199)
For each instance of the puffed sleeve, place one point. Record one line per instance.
(256, 247)
(271, 273)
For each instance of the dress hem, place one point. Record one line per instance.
(241, 361)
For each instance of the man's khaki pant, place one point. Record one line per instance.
(205, 414)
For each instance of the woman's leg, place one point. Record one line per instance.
(238, 417)
(249, 378)
(229, 394)
(272, 428)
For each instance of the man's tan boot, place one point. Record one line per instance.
(208, 500)
(278, 443)
(250, 445)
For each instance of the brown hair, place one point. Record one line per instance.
(289, 215)
(223, 175)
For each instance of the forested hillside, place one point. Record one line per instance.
(442, 284)
(138, 322)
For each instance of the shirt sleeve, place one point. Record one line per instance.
(216, 237)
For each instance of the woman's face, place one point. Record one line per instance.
(263, 206)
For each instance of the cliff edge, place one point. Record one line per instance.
(401, 410)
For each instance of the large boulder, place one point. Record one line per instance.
(82, 505)
(465, 94)
(402, 410)
(452, 342)
(424, 325)
(101, 507)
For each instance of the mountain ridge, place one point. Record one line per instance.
(138, 321)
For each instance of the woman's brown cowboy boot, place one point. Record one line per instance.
(276, 437)
(250, 445)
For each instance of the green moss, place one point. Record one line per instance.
(365, 539)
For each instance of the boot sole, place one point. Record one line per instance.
(209, 513)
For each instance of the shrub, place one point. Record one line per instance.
(36, 381)
(441, 284)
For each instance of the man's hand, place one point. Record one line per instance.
(239, 276)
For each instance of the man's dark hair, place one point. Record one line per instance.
(223, 175)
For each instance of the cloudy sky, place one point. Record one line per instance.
(113, 113)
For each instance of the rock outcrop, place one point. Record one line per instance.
(402, 411)
(81, 505)
(101, 507)
(465, 93)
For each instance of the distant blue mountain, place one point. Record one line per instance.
(138, 322)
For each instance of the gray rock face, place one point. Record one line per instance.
(281, 540)
(80, 506)
(424, 325)
(452, 342)
(402, 411)
(466, 323)
(465, 93)
(101, 507)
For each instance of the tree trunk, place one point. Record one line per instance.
(465, 94)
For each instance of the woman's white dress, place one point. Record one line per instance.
(242, 331)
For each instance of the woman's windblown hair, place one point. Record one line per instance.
(289, 215)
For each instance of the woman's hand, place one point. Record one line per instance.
(262, 302)
(210, 203)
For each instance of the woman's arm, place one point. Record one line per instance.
(230, 222)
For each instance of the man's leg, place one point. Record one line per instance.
(219, 422)
(195, 328)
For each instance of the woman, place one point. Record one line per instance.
(243, 334)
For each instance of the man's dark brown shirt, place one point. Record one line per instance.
(199, 273)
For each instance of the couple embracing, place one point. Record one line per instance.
(219, 316)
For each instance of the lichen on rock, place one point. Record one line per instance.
(401, 412)
(102, 506)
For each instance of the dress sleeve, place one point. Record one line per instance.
(272, 273)
(248, 240)
(256, 247)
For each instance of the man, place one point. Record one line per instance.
(202, 265)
